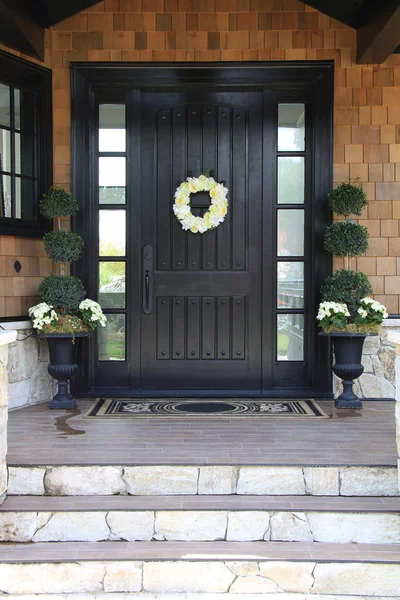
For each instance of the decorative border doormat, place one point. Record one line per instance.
(192, 408)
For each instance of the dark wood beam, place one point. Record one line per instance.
(380, 36)
(20, 27)
(58, 10)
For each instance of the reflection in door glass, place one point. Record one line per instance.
(112, 233)
(291, 127)
(112, 132)
(112, 284)
(290, 180)
(290, 333)
(290, 285)
(111, 339)
(290, 232)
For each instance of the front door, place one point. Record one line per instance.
(230, 311)
(201, 301)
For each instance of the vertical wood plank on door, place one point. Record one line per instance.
(238, 327)
(223, 328)
(193, 327)
(208, 328)
(224, 174)
(209, 240)
(164, 189)
(239, 186)
(179, 173)
(178, 328)
(163, 328)
(194, 154)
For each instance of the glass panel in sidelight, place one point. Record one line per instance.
(112, 128)
(290, 284)
(290, 232)
(5, 196)
(5, 107)
(112, 232)
(291, 127)
(112, 278)
(111, 339)
(17, 108)
(290, 180)
(112, 180)
(290, 337)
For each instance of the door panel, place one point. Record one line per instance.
(204, 329)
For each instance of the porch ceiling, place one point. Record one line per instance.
(22, 23)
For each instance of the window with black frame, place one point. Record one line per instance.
(25, 145)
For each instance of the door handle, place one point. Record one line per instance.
(147, 265)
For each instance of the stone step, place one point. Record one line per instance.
(213, 568)
(200, 518)
(162, 480)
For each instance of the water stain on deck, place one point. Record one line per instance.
(64, 428)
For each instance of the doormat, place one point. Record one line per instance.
(191, 408)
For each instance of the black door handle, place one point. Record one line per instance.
(147, 265)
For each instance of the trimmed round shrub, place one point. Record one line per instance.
(347, 199)
(63, 246)
(63, 292)
(57, 202)
(346, 238)
(348, 287)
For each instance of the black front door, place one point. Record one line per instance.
(230, 311)
(201, 328)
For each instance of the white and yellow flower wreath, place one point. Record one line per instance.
(218, 207)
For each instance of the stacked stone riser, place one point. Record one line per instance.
(216, 577)
(201, 525)
(203, 480)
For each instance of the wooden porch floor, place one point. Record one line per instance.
(39, 436)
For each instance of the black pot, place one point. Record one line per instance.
(62, 366)
(348, 349)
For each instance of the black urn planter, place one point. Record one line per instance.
(62, 366)
(348, 349)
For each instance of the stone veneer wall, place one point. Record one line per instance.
(28, 357)
(6, 337)
(379, 356)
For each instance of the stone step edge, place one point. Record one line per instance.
(200, 526)
(203, 480)
(198, 503)
(182, 596)
(228, 576)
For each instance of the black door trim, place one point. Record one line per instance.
(113, 80)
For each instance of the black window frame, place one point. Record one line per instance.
(18, 73)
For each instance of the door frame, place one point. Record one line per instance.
(88, 80)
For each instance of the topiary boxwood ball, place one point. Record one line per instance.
(63, 246)
(347, 199)
(63, 292)
(346, 238)
(57, 202)
(348, 287)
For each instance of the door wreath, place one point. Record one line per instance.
(215, 214)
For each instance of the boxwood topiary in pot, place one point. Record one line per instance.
(347, 314)
(64, 313)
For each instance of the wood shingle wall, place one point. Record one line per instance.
(367, 97)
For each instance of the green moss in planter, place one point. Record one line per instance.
(57, 202)
(63, 292)
(348, 287)
(367, 329)
(347, 199)
(346, 238)
(67, 324)
(63, 246)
